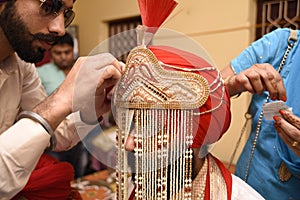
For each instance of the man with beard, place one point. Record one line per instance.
(27, 118)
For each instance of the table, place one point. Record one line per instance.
(97, 186)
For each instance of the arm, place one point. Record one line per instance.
(227, 74)
(85, 90)
(255, 69)
(20, 148)
(21, 144)
(256, 79)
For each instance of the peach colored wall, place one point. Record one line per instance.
(223, 28)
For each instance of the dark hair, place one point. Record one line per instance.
(66, 39)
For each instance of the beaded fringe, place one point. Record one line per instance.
(162, 164)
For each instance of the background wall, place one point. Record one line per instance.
(223, 28)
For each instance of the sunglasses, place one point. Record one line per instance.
(55, 7)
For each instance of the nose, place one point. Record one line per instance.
(64, 55)
(129, 144)
(57, 25)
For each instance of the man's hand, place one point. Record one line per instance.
(257, 79)
(87, 88)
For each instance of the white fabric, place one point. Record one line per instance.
(242, 191)
(20, 151)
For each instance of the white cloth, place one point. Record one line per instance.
(242, 191)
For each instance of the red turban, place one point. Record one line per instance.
(215, 118)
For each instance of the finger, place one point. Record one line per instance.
(286, 138)
(272, 81)
(280, 94)
(271, 85)
(123, 66)
(108, 79)
(291, 118)
(118, 65)
(243, 80)
(108, 84)
(110, 92)
(256, 82)
(109, 76)
(287, 128)
(105, 88)
(256, 75)
(111, 71)
(274, 85)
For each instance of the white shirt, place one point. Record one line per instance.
(22, 143)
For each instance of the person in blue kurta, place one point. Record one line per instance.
(52, 75)
(275, 168)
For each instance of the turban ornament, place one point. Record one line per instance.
(171, 101)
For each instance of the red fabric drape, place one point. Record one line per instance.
(50, 180)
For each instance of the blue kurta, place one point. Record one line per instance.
(270, 150)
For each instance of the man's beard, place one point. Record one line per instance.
(19, 37)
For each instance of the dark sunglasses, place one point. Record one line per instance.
(55, 7)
